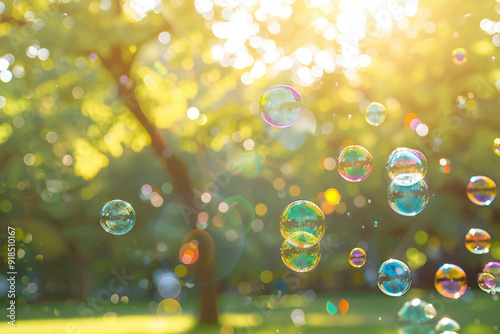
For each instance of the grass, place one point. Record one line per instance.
(369, 312)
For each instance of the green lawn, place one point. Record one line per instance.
(369, 312)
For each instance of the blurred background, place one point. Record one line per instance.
(157, 103)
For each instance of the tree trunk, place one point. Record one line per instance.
(178, 173)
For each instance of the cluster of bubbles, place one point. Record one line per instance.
(302, 225)
(481, 190)
(281, 106)
(450, 281)
(117, 217)
(354, 163)
(375, 113)
(417, 316)
(489, 279)
(407, 192)
(394, 277)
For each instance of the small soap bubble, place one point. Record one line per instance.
(301, 252)
(478, 241)
(375, 113)
(357, 257)
(416, 311)
(450, 281)
(281, 106)
(117, 217)
(408, 194)
(486, 282)
(394, 278)
(405, 160)
(447, 325)
(481, 190)
(354, 163)
(303, 216)
(459, 56)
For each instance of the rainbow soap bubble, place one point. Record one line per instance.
(375, 113)
(281, 106)
(303, 216)
(494, 269)
(117, 217)
(450, 281)
(496, 146)
(447, 325)
(354, 163)
(481, 190)
(478, 241)
(405, 160)
(408, 194)
(394, 278)
(459, 56)
(416, 311)
(301, 252)
(357, 257)
(486, 282)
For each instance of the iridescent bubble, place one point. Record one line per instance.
(235, 221)
(478, 241)
(405, 160)
(354, 163)
(408, 194)
(416, 311)
(281, 106)
(394, 278)
(301, 252)
(375, 113)
(496, 146)
(481, 190)
(486, 282)
(303, 216)
(357, 257)
(275, 300)
(450, 281)
(169, 308)
(117, 217)
(494, 269)
(447, 325)
(459, 56)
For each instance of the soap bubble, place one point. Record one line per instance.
(408, 194)
(447, 325)
(416, 311)
(494, 269)
(481, 190)
(357, 257)
(405, 160)
(303, 216)
(375, 113)
(478, 241)
(450, 281)
(281, 106)
(169, 309)
(354, 163)
(394, 278)
(117, 217)
(496, 146)
(301, 252)
(486, 282)
(459, 56)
